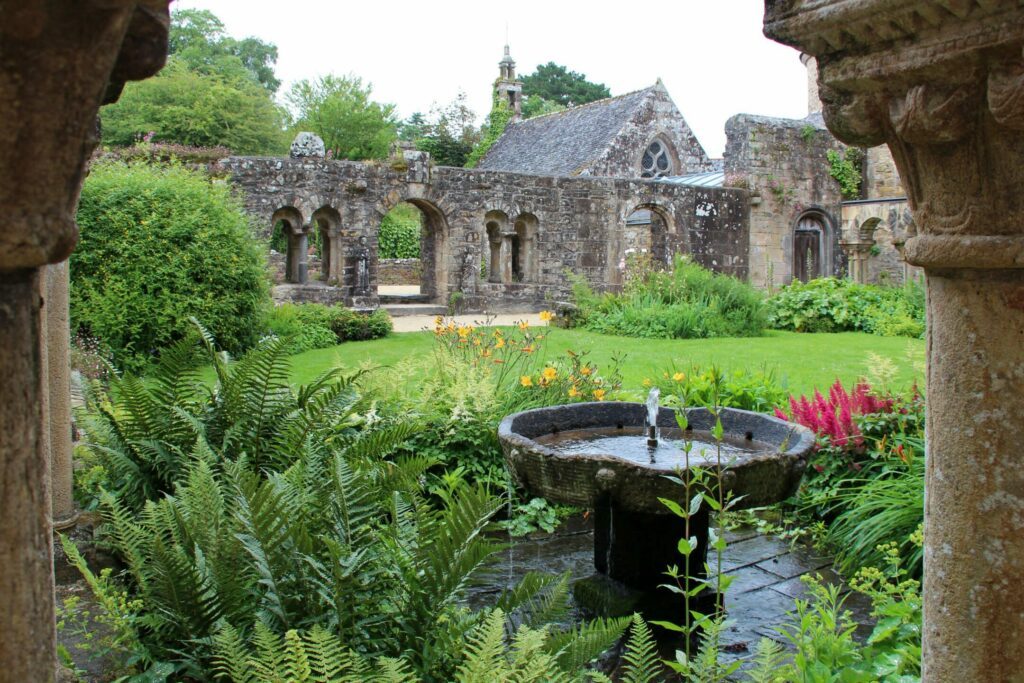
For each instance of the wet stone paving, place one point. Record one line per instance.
(766, 571)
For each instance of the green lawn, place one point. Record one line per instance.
(801, 361)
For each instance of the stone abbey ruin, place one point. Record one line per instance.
(580, 191)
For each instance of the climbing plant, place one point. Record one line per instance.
(845, 168)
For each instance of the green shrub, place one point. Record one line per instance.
(400, 232)
(684, 303)
(315, 326)
(834, 305)
(744, 389)
(161, 244)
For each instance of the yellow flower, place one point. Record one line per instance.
(524, 325)
(549, 373)
(679, 377)
(526, 381)
(528, 349)
(500, 343)
(573, 392)
(586, 370)
(486, 353)
(438, 320)
(599, 394)
(547, 316)
(647, 382)
(464, 330)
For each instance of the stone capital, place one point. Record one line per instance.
(942, 83)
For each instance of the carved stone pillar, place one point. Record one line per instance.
(942, 83)
(506, 257)
(59, 60)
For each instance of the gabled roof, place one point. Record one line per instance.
(566, 142)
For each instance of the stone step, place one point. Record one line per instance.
(397, 310)
(388, 299)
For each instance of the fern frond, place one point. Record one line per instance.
(769, 663)
(231, 656)
(576, 647)
(484, 660)
(641, 655)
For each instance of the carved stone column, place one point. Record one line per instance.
(942, 83)
(59, 60)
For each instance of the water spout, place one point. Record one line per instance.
(652, 417)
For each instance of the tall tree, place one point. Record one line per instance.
(198, 38)
(556, 83)
(339, 110)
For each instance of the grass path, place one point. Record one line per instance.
(801, 361)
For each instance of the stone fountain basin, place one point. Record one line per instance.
(764, 476)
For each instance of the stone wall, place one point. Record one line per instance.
(580, 222)
(399, 271)
(881, 179)
(783, 165)
(660, 114)
(875, 230)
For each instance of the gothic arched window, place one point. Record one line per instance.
(657, 161)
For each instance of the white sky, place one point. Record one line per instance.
(710, 54)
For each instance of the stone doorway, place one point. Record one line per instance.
(410, 262)
(807, 249)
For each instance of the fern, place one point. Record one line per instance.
(769, 663)
(641, 655)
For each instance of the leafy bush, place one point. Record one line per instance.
(161, 244)
(684, 303)
(252, 513)
(743, 389)
(315, 326)
(833, 305)
(400, 232)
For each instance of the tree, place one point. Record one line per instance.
(197, 38)
(492, 129)
(555, 83)
(190, 107)
(339, 110)
(451, 133)
(535, 105)
(160, 244)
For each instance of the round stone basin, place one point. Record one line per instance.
(578, 453)
(596, 455)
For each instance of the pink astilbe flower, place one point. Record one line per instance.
(834, 417)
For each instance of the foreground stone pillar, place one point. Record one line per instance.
(942, 83)
(59, 60)
(57, 404)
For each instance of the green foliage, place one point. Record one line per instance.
(315, 326)
(197, 38)
(556, 83)
(339, 110)
(822, 632)
(686, 302)
(450, 135)
(641, 656)
(180, 105)
(845, 169)
(497, 120)
(807, 132)
(833, 305)
(535, 105)
(160, 245)
(744, 389)
(400, 232)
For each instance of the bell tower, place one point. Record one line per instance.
(509, 90)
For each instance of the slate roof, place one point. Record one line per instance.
(563, 143)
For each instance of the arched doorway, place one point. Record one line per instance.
(644, 239)
(811, 247)
(411, 259)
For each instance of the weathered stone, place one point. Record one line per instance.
(308, 144)
(940, 86)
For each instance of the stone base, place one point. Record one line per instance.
(637, 548)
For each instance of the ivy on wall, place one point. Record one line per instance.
(845, 168)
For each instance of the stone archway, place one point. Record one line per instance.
(296, 233)
(646, 234)
(434, 251)
(499, 247)
(524, 248)
(327, 222)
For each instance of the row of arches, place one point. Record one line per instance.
(512, 247)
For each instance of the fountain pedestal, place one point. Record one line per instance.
(636, 548)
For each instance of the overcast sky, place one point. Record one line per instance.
(710, 54)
